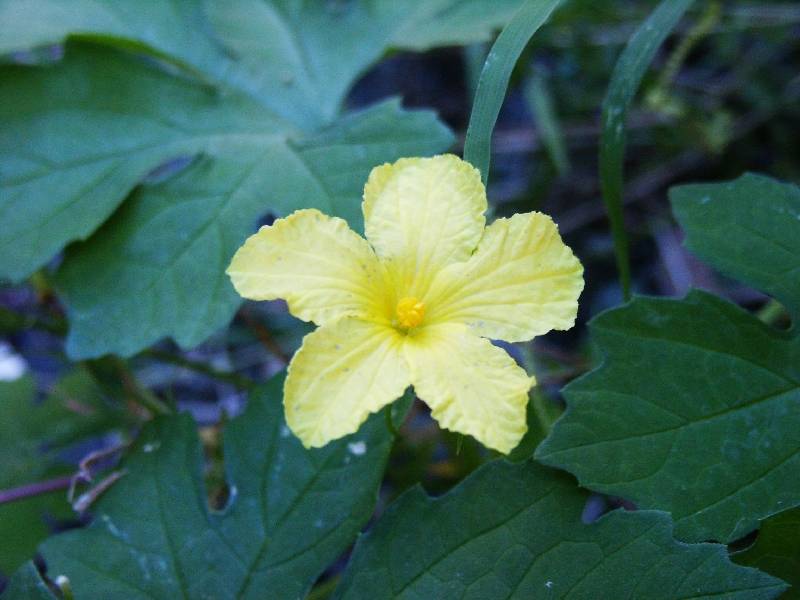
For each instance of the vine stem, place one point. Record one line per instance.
(390, 424)
(137, 391)
(34, 489)
(240, 381)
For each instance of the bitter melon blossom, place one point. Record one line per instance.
(414, 303)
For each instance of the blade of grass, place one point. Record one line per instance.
(496, 73)
(625, 80)
(540, 101)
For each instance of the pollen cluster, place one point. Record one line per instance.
(410, 312)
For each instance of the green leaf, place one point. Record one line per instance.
(33, 437)
(179, 30)
(315, 50)
(496, 73)
(299, 59)
(777, 550)
(27, 584)
(515, 531)
(625, 80)
(749, 229)
(292, 512)
(696, 410)
(157, 268)
(77, 137)
(448, 22)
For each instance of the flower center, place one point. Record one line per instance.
(410, 312)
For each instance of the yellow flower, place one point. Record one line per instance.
(415, 304)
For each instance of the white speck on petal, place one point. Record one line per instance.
(357, 448)
(548, 585)
(148, 448)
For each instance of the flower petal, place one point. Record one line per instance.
(322, 268)
(421, 214)
(471, 385)
(341, 374)
(521, 282)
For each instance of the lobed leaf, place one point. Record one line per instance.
(291, 513)
(695, 409)
(515, 531)
(298, 59)
(157, 267)
(78, 136)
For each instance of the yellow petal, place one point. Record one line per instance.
(341, 374)
(421, 214)
(472, 386)
(322, 268)
(521, 282)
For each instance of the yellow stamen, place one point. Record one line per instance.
(410, 312)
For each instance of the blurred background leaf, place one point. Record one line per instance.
(41, 440)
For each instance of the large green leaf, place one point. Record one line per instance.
(696, 409)
(77, 137)
(515, 531)
(777, 550)
(291, 513)
(749, 229)
(302, 57)
(299, 58)
(157, 268)
(33, 437)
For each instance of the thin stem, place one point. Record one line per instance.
(389, 423)
(264, 336)
(705, 25)
(324, 590)
(772, 312)
(11, 321)
(34, 489)
(137, 391)
(240, 381)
